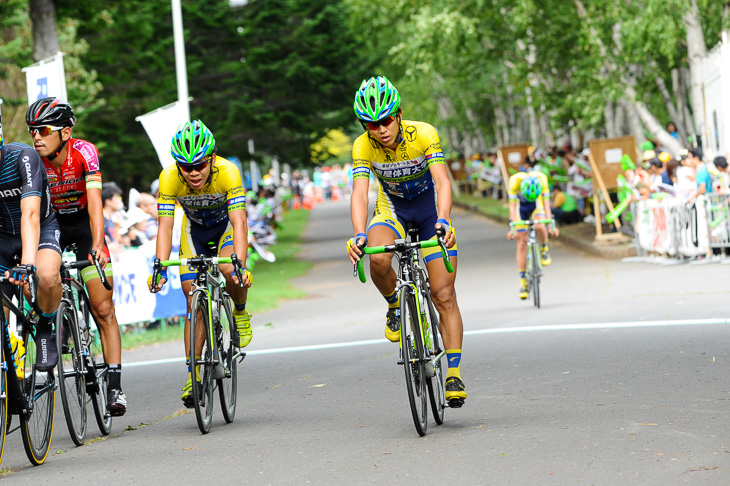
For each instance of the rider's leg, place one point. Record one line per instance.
(522, 261)
(384, 278)
(48, 263)
(239, 296)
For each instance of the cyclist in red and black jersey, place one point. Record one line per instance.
(72, 167)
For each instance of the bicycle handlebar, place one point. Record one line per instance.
(81, 264)
(30, 271)
(401, 246)
(199, 262)
(531, 222)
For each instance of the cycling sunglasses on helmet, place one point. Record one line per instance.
(43, 131)
(384, 122)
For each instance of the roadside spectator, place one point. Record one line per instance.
(685, 177)
(111, 199)
(702, 176)
(565, 208)
(148, 204)
(155, 189)
(672, 129)
(719, 173)
(132, 230)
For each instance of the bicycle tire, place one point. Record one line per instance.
(97, 373)
(412, 353)
(436, 385)
(71, 373)
(535, 276)
(228, 385)
(36, 426)
(203, 392)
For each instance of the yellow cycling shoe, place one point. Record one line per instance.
(455, 392)
(243, 330)
(545, 256)
(19, 354)
(524, 292)
(187, 393)
(392, 326)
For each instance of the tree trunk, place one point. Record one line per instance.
(671, 108)
(608, 113)
(620, 120)
(696, 51)
(635, 126)
(45, 38)
(670, 143)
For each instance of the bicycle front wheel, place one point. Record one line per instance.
(535, 269)
(436, 387)
(71, 373)
(228, 384)
(412, 354)
(201, 361)
(38, 387)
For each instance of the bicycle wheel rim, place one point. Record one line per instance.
(97, 373)
(436, 387)
(37, 426)
(71, 379)
(203, 392)
(227, 386)
(412, 349)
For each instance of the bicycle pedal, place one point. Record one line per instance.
(456, 403)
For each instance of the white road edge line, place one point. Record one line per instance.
(506, 330)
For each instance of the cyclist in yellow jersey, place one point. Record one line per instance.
(407, 160)
(209, 190)
(529, 198)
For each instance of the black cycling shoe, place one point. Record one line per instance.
(455, 392)
(116, 403)
(46, 350)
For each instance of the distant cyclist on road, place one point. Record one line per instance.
(209, 190)
(529, 198)
(407, 160)
(74, 176)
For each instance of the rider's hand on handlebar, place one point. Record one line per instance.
(247, 278)
(355, 246)
(17, 278)
(100, 256)
(511, 234)
(161, 279)
(449, 237)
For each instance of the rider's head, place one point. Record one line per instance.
(46, 118)
(531, 188)
(377, 103)
(193, 148)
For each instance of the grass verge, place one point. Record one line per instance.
(271, 282)
(495, 208)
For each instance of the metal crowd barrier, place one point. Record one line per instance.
(718, 223)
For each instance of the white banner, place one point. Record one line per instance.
(161, 125)
(46, 78)
(671, 227)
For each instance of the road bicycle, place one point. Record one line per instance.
(533, 271)
(82, 370)
(421, 344)
(25, 391)
(212, 322)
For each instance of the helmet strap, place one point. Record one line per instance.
(60, 149)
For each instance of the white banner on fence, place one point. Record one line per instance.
(161, 125)
(671, 227)
(46, 78)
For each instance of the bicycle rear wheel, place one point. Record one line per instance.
(413, 365)
(97, 373)
(71, 373)
(228, 385)
(202, 390)
(535, 269)
(38, 386)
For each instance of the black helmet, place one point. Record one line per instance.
(50, 111)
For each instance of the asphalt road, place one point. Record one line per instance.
(620, 378)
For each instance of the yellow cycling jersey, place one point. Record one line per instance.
(403, 172)
(209, 206)
(515, 181)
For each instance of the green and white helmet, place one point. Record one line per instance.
(192, 142)
(531, 188)
(376, 99)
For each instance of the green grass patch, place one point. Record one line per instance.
(495, 208)
(270, 283)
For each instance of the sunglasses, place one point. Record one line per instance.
(43, 131)
(196, 167)
(381, 123)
